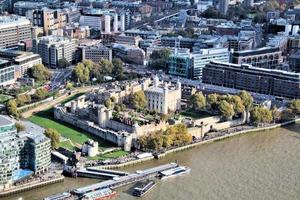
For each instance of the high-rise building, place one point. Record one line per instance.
(7, 73)
(190, 65)
(223, 6)
(253, 79)
(54, 48)
(14, 29)
(21, 7)
(21, 153)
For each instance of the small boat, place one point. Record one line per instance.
(102, 194)
(144, 188)
(177, 171)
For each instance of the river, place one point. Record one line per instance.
(261, 165)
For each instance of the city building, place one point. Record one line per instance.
(128, 40)
(50, 20)
(265, 57)
(237, 43)
(24, 60)
(190, 65)
(162, 98)
(253, 79)
(76, 31)
(129, 53)
(21, 154)
(223, 6)
(7, 73)
(54, 48)
(13, 30)
(96, 53)
(22, 7)
(294, 62)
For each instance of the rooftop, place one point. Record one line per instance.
(5, 121)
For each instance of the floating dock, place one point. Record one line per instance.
(124, 180)
(93, 172)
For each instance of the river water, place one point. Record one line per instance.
(255, 166)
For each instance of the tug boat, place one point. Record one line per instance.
(144, 188)
(181, 170)
(102, 194)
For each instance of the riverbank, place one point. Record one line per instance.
(30, 186)
(218, 138)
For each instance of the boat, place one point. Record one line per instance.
(177, 171)
(102, 194)
(143, 188)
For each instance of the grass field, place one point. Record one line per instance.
(111, 155)
(45, 119)
(195, 114)
(4, 98)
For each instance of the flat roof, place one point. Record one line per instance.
(5, 121)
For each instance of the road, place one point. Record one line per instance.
(60, 77)
(56, 101)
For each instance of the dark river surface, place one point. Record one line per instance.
(262, 165)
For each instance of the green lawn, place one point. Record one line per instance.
(67, 145)
(111, 155)
(4, 98)
(76, 135)
(195, 114)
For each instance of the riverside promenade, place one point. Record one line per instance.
(221, 135)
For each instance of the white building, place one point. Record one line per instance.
(96, 53)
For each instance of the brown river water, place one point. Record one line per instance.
(256, 166)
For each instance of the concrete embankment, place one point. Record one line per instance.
(202, 142)
(29, 186)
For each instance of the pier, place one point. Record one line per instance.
(96, 172)
(119, 181)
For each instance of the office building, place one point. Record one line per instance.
(294, 62)
(22, 7)
(54, 48)
(238, 43)
(129, 53)
(24, 60)
(190, 65)
(14, 29)
(223, 6)
(266, 57)
(21, 154)
(96, 53)
(253, 79)
(50, 20)
(7, 73)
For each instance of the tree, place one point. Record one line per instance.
(275, 114)
(247, 99)
(198, 101)
(287, 115)
(23, 99)
(295, 106)
(106, 66)
(118, 70)
(159, 59)
(20, 127)
(237, 103)
(54, 136)
(117, 108)
(226, 109)
(63, 63)
(138, 100)
(40, 93)
(81, 74)
(212, 13)
(108, 103)
(69, 85)
(12, 108)
(261, 115)
(212, 101)
(260, 18)
(40, 72)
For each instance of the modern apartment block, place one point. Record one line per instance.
(21, 154)
(50, 20)
(191, 65)
(253, 79)
(7, 73)
(266, 57)
(22, 7)
(24, 60)
(14, 29)
(54, 48)
(96, 53)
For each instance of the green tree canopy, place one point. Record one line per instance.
(212, 100)
(20, 127)
(295, 106)
(226, 109)
(12, 108)
(237, 103)
(198, 101)
(23, 99)
(63, 63)
(81, 74)
(247, 99)
(261, 115)
(54, 136)
(159, 59)
(118, 70)
(108, 103)
(40, 72)
(40, 93)
(138, 100)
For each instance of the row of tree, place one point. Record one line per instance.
(159, 59)
(40, 73)
(176, 135)
(88, 71)
(226, 105)
(23, 99)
